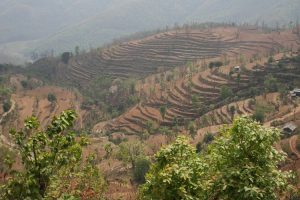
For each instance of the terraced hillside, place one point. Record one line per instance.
(206, 87)
(171, 49)
(35, 102)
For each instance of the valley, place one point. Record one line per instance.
(188, 82)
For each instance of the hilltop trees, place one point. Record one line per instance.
(65, 57)
(240, 164)
(51, 160)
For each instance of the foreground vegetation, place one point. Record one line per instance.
(52, 164)
(241, 163)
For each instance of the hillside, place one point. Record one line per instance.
(198, 97)
(178, 82)
(62, 25)
(164, 51)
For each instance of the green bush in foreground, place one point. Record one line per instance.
(52, 164)
(240, 164)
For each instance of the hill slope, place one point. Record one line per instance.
(164, 51)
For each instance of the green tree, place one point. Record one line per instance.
(192, 129)
(150, 126)
(44, 154)
(144, 135)
(51, 98)
(84, 181)
(176, 174)
(142, 165)
(238, 79)
(108, 150)
(163, 110)
(226, 92)
(232, 111)
(195, 100)
(271, 84)
(259, 115)
(130, 151)
(244, 163)
(6, 106)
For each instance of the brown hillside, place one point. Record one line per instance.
(170, 49)
(206, 86)
(35, 102)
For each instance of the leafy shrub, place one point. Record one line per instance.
(259, 116)
(226, 92)
(52, 162)
(237, 165)
(142, 166)
(51, 98)
(6, 106)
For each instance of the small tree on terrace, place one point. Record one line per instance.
(130, 151)
(192, 129)
(108, 150)
(271, 84)
(142, 167)
(232, 111)
(6, 105)
(51, 98)
(238, 79)
(163, 110)
(225, 92)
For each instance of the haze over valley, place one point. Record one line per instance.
(57, 26)
(149, 99)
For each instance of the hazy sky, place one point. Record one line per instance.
(39, 25)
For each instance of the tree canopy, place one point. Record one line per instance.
(51, 159)
(240, 164)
